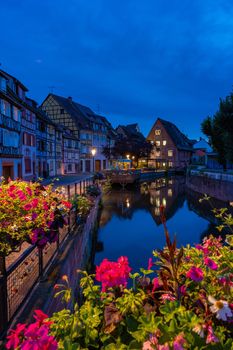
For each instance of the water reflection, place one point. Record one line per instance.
(130, 221)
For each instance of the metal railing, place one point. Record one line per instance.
(17, 281)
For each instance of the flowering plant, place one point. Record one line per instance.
(34, 336)
(182, 300)
(30, 212)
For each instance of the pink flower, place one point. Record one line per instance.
(15, 336)
(195, 273)
(41, 317)
(167, 296)
(203, 249)
(179, 342)
(156, 284)
(113, 274)
(27, 206)
(34, 203)
(150, 264)
(183, 290)
(211, 337)
(210, 263)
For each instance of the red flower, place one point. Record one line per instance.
(67, 204)
(15, 336)
(113, 274)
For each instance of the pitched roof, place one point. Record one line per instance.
(7, 76)
(131, 131)
(82, 115)
(180, 140)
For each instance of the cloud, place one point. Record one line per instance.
(138, 60)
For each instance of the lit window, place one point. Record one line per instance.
(164, 142)
(157, 143)
(170, 164)
(169, 192)
(157, 132)
(170, 153)
(157, 153)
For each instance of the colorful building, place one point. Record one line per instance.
(171, 148)
(88, 128)
(10, 126)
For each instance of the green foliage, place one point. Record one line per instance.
(219, 130)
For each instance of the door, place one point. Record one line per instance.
(8, 172)
(88, 166)
(97, 165)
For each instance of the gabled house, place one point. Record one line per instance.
(171, 148)
(88, 127)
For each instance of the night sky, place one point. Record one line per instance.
(131, 60)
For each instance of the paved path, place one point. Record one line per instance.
(66, 179)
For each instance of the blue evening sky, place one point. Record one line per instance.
(132, 60)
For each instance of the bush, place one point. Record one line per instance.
(30, 212)
(93, 191)
(182, 300)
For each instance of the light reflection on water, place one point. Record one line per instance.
(130, 220)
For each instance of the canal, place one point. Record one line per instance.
(130, 223)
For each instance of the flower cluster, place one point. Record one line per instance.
(34, 336)
(113, 274)
(30, 212)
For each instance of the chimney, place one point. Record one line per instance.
(70, 98)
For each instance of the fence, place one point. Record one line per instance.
(17, 281)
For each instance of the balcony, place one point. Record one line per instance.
(9, 123)
(9, 151)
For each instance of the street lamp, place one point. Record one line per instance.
(93, 152)
(127, 156)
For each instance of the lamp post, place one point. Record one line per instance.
(93, 152)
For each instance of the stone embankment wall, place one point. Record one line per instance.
(214, 187)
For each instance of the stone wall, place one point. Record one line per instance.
(216, 188)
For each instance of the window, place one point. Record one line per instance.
(157, 153)
(69, 167)
(28, 165)
(2, 84)
(170, 153)
(164, 142)
(170, 164)
(157, 143)
(157, 132)
(62, 111)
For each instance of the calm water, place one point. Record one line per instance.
(130, 224)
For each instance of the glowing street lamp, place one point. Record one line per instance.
(93, 152)
(127, 156)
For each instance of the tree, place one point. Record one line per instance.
(219, 130)
(138, 148)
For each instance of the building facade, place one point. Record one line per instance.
(70, 153)
(28, 140)
(10, 127)
(88, 128)
(171, 148)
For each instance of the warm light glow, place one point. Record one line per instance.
(169, 192)
(164, 202)
(127, 156)
(127, 203)
(133, 157)
(93, 151)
